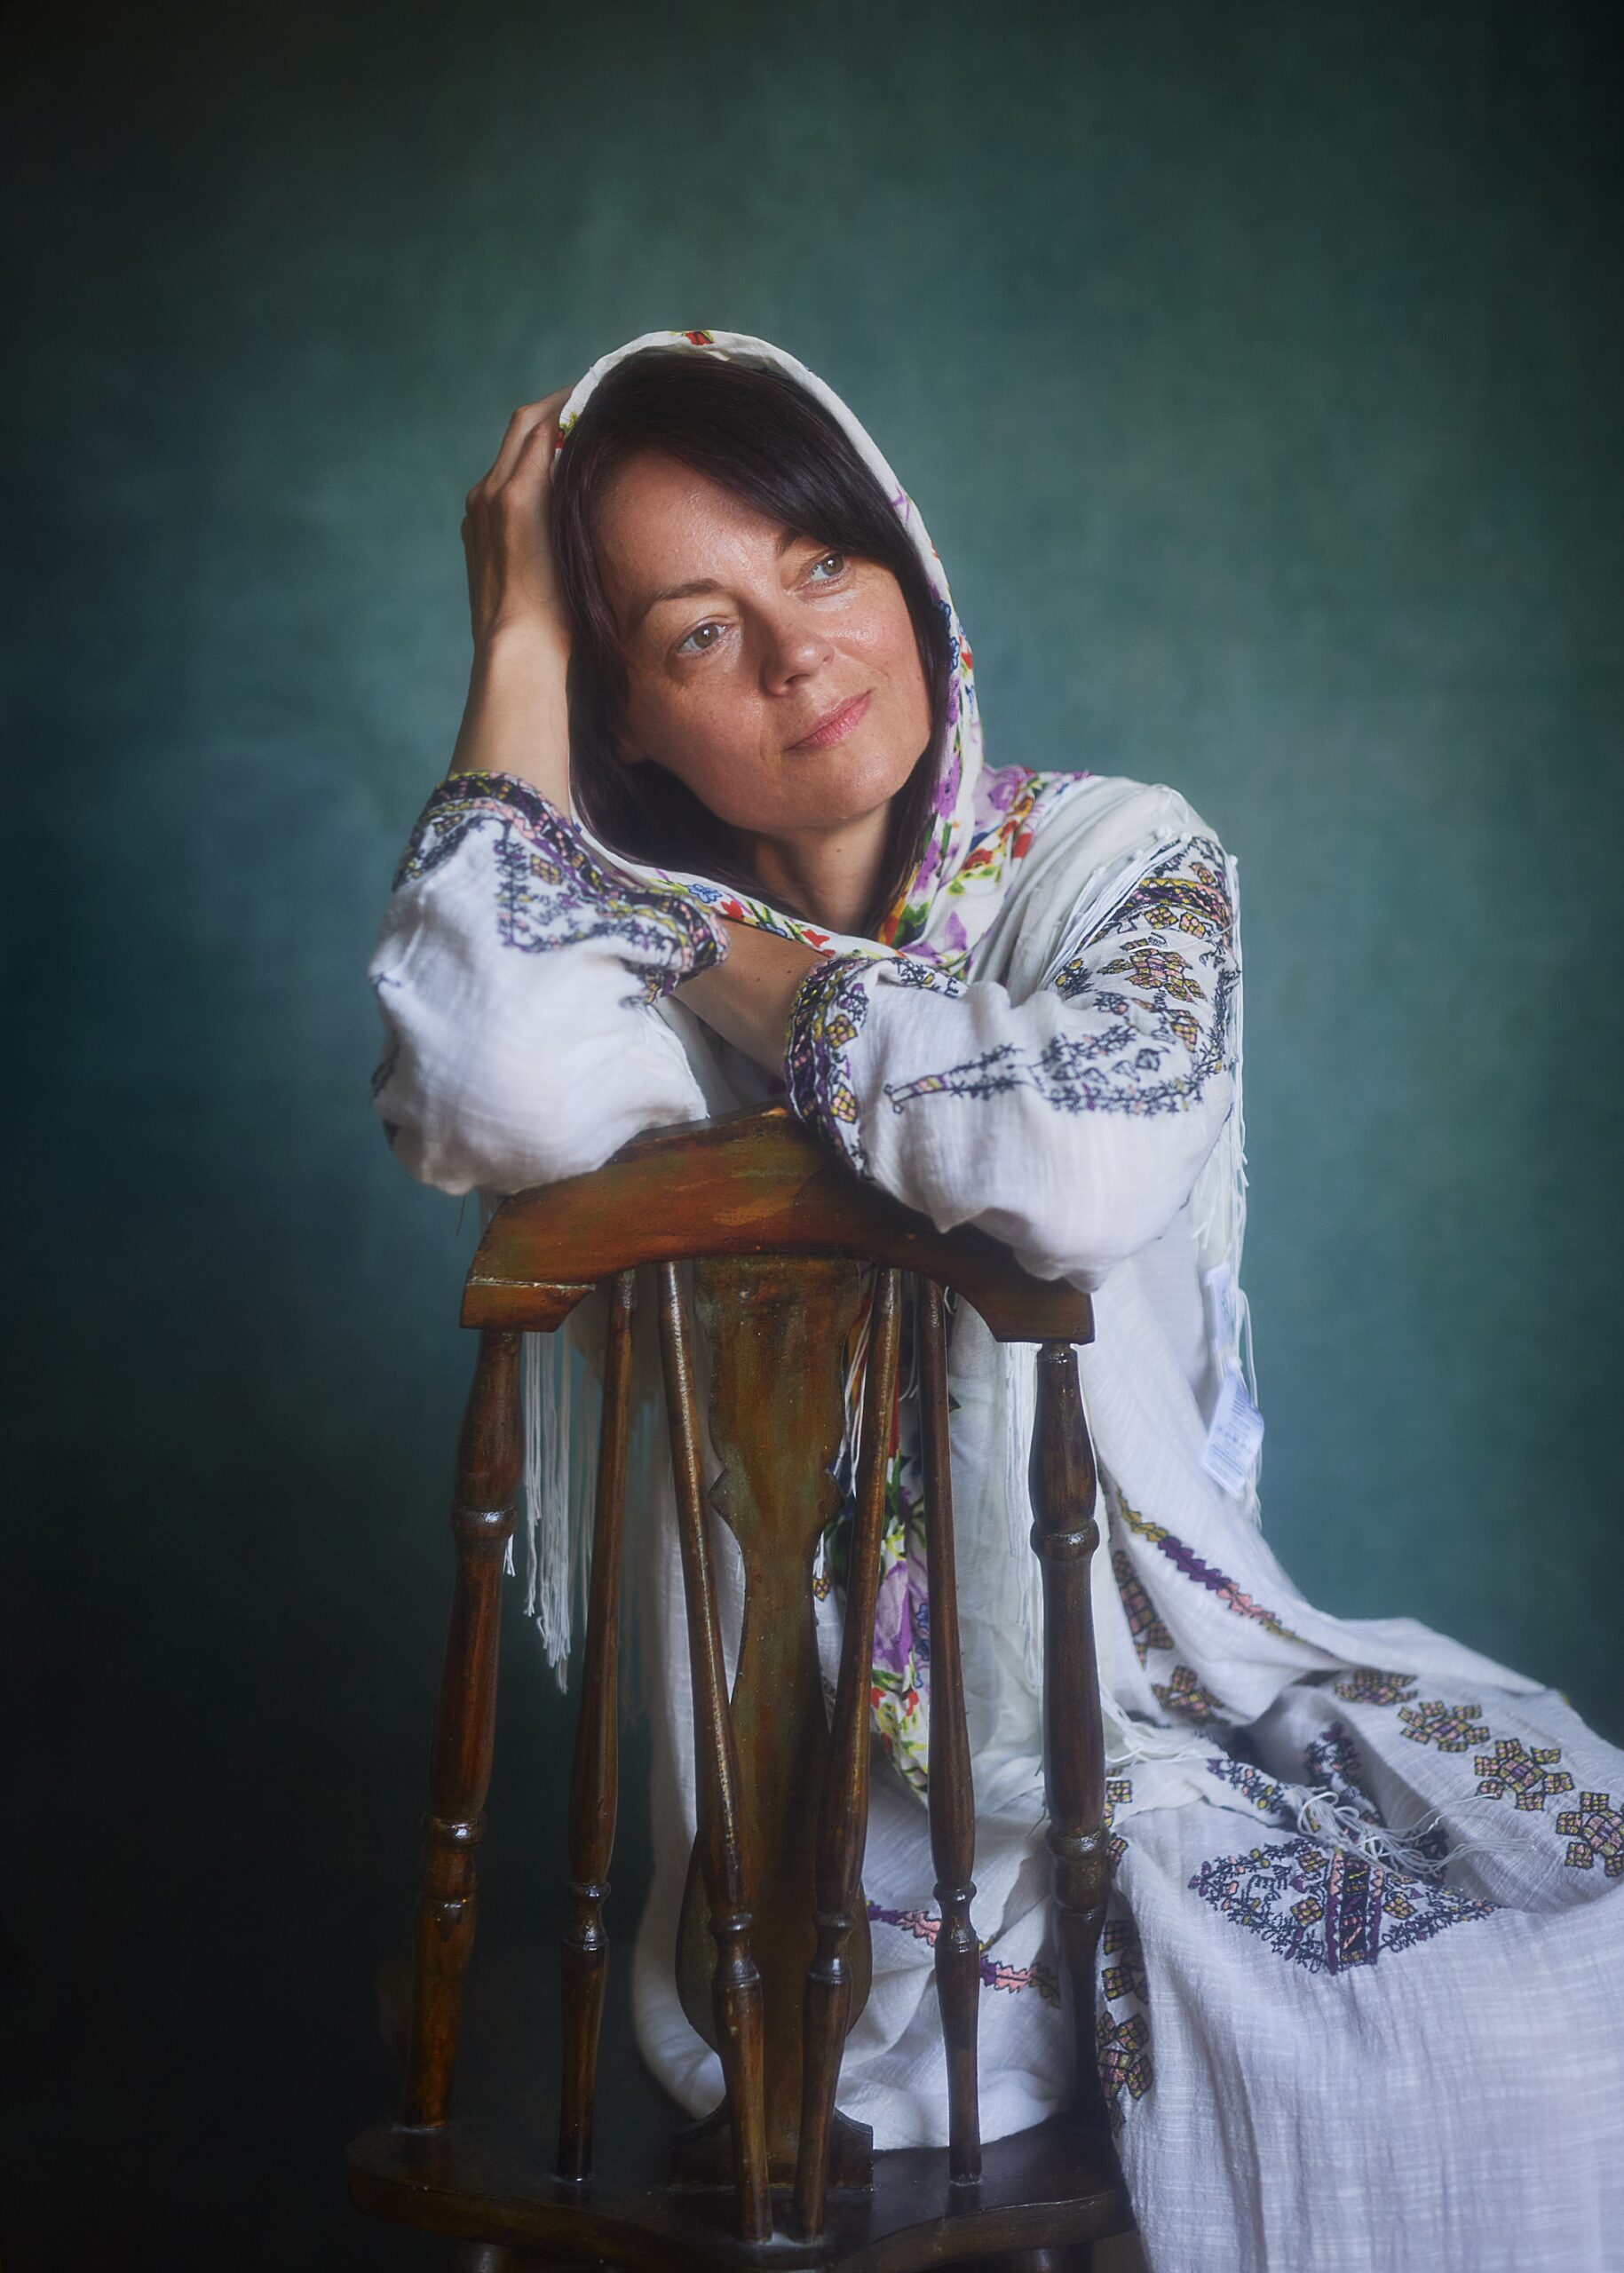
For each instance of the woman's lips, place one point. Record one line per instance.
(837, 726)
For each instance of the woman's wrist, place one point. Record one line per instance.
(515, 719)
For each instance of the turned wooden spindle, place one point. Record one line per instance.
(737, 1985)
(594, 1783)
(775, 1329)
(1064, 1482)
(843, 1822)
(951, 1792)
(488, 1462)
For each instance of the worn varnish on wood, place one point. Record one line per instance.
(772, 1958)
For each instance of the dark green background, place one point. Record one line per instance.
(1258, 370)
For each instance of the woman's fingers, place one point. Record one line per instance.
(511, 578)
(521, 425)
(528, 475)
(530, 419)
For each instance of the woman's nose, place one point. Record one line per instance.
(791, 650)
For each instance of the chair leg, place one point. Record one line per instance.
(488, 1465)
(842, 1822)
(952, 1790)
(1064, 1482)
(736, 1984)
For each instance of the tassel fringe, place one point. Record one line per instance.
(1019, 1418)
(548, 1531)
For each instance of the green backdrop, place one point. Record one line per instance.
(1257, 369)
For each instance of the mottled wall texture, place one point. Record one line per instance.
(1257, 367)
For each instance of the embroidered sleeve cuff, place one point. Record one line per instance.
(550, 889)
(824, 1020)
(1154, 989)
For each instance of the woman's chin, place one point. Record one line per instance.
(848, 781)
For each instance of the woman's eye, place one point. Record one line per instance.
(832, 565)
(699, 640)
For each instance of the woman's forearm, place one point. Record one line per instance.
(517, 716)
(748, 998)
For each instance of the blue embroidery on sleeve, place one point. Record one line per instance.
(1155, 1052)
(550, 893)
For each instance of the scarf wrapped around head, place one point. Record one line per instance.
(954, 892)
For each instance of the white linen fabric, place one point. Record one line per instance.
(1360, 1998)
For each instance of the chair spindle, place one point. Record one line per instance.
(737, 1984)
(1064, 1481)
(488, 1462)
(951, 1794)
(844, 1821)
(595, 1771)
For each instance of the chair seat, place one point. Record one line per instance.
(487, 2175)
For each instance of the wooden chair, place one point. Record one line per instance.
(772, 1958)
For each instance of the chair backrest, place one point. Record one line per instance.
(772, 1958)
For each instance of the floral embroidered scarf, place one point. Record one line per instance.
(979, 829)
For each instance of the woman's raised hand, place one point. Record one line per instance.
(517, 718)
(512, 582)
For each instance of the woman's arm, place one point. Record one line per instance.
(518, 980)
(1073, 1125)
(748, 998)
(517, 716)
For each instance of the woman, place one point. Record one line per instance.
(718, 830)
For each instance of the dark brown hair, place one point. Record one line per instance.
(753, 430)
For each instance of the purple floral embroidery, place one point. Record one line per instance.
(918, 972)
(1595, 1831)
(1000, 785)
(893, 1625)
(1127, 1976)
(825, 1017)
(1183, 1697)
(926, 1926)
(953, 774)
(1369, 1685)
(824, 1020)
(1146, 1628)
(1328, 1911)
(1452, 1728)
(1183, 1558)
(1258, 1790)
(1122, 2038)
(930, 864)
(1332, 1763)
(1153, 1053)
(1119, 1794)
(1185, 891)
(1528, 1778)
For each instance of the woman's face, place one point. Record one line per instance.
(779, 681)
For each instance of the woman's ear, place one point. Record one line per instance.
(626, 752)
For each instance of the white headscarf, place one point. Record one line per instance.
(954, 890)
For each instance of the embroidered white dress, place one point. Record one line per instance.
(1360, 2003)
